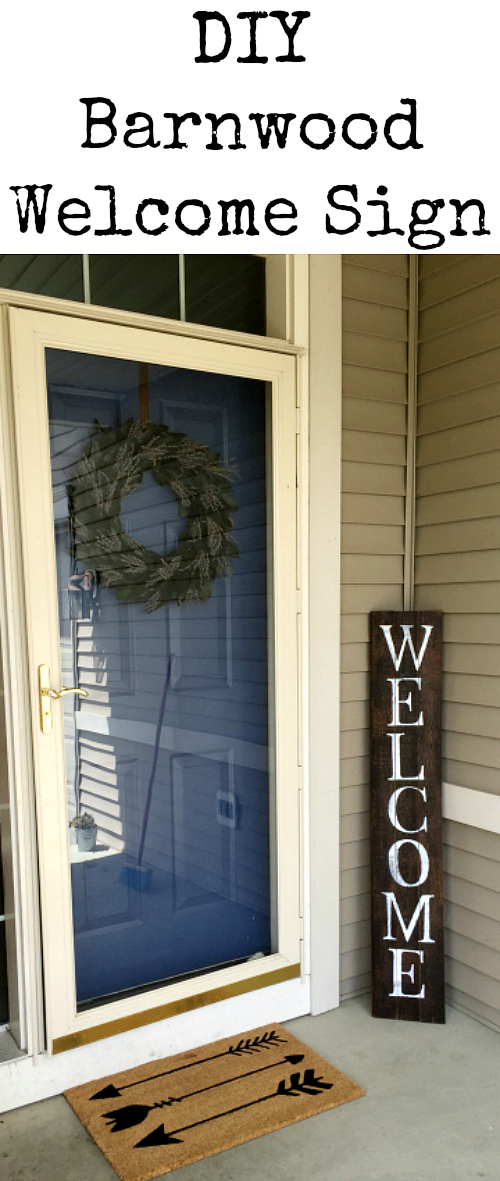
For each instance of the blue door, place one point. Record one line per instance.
(163, 536)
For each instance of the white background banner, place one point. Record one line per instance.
(420, 158)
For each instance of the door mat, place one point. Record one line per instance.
(166, 1114)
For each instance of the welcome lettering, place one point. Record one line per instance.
(406, 816)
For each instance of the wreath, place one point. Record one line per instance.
(111, 467)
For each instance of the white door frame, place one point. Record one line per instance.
(289, 278)
(325, 438)
(31, 334)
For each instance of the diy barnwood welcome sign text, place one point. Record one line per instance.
(406, 815)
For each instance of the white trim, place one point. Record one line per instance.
(31, 332)
(480, 809)
(287, 305)
(160, 324)
(297, 279)
(21, 1084)
(325, 377)
(25, 974)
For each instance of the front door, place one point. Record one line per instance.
(157, 493)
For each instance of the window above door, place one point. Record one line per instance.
(224, 291)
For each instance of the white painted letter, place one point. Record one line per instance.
(394, 863)
(395, 740)
(398, 701)
(393, 803)
(423, 904)
(396, 660)
(398, 972)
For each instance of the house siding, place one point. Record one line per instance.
(375, 379)
(472, 920)
(458, 571)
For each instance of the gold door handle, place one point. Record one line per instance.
(48, 695)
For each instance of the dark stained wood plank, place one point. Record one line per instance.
(406, 815)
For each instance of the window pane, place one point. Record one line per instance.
(227, 291)
(57, 275)
(136, 283)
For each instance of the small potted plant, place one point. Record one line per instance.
(86, 831)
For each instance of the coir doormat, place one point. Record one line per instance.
(169, 1113)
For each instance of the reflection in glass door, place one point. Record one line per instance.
(162, 548)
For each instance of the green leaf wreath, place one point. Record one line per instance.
(111, 467)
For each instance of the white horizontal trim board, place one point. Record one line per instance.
(21, 1084)
(481, 809)
(85, 311)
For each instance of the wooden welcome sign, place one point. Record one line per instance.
(406, 815)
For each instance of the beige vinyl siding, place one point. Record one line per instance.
(458, 501)
(457, 569)
(472, 920)
(375, 333)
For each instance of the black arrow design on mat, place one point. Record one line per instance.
(311, 1085)
(263, 1041)
(135, 1113)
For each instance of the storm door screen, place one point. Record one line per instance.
(163, 541)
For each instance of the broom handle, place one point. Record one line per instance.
(155, 761)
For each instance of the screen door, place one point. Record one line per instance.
(149, 492)
(169, 752)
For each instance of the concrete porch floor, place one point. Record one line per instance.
(431, 1113)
